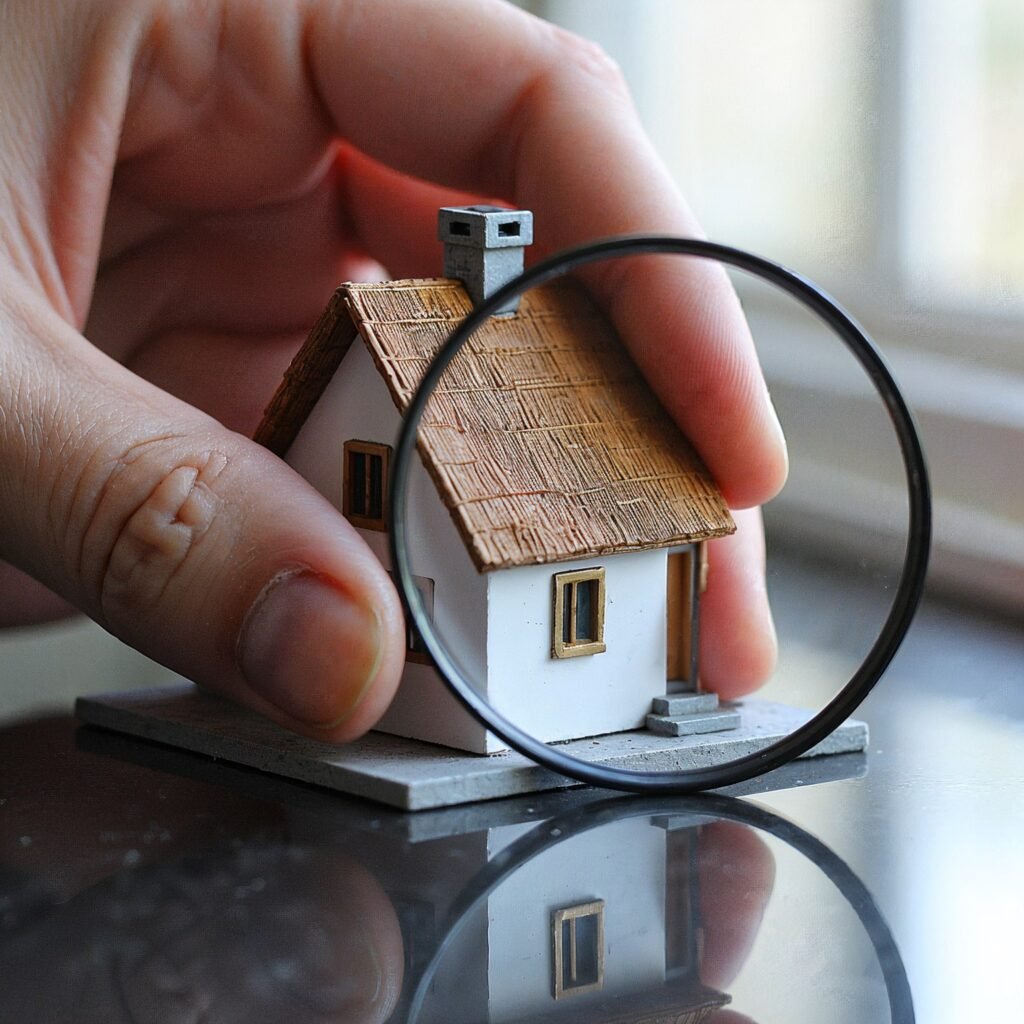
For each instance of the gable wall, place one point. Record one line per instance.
(356, 405)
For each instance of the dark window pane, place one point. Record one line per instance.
(375, 500)
(586, 950)
(357, 483)
(586, 601)
(414, 640)
(566, 613)
(567, 981)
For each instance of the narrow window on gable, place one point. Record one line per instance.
(415, 649)
(579, 613)
(364, 484)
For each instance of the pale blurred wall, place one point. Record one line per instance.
(44, 668)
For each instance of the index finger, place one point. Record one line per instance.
(486, 98)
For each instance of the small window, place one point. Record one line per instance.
(364, 486)
(578, 941)
(414, 648)
(579, 613)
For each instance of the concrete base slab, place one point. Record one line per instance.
(684, 703)
(336, 813)
(693, 724)
(411, 775)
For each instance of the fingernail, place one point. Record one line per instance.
(310, 649)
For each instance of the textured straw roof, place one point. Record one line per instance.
(543, 439)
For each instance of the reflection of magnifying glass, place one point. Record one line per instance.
(473, 696)
(544, 837)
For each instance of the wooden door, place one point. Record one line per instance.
(681, 591)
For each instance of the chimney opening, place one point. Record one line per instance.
(460, 227)
(509, 230)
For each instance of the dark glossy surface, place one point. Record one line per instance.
(140, 884)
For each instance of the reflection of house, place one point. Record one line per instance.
(558, 515)
(602, 927)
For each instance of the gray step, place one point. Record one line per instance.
(684, 703)
(692, 725)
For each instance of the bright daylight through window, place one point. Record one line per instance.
(875, 147)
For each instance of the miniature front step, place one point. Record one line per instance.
(693, 724)
(684, 703)
(689, 714)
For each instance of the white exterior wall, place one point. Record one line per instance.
(356, 405)
(622, 863)
(563, 698)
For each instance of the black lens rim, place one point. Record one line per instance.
(908, 592)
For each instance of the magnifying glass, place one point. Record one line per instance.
(465, 419)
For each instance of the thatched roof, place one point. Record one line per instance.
(544, 441)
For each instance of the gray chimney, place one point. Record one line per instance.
(483, 247)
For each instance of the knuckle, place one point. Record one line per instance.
(152, 508)
(590, 58)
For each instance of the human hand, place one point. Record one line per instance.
(184, 184)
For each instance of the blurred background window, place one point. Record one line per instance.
(879, 139)
(877, 146)
(963, 154)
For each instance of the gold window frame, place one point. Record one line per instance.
(370, 449)
(572, 915)
(576, 648)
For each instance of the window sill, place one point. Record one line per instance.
(846, 489)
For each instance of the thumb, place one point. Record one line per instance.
(184, 539)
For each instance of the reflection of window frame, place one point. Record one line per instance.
(565, 613)
(564, 984)
(369, 450)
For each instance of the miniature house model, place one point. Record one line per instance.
(556, 515)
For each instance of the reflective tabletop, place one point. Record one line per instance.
(139, 883)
